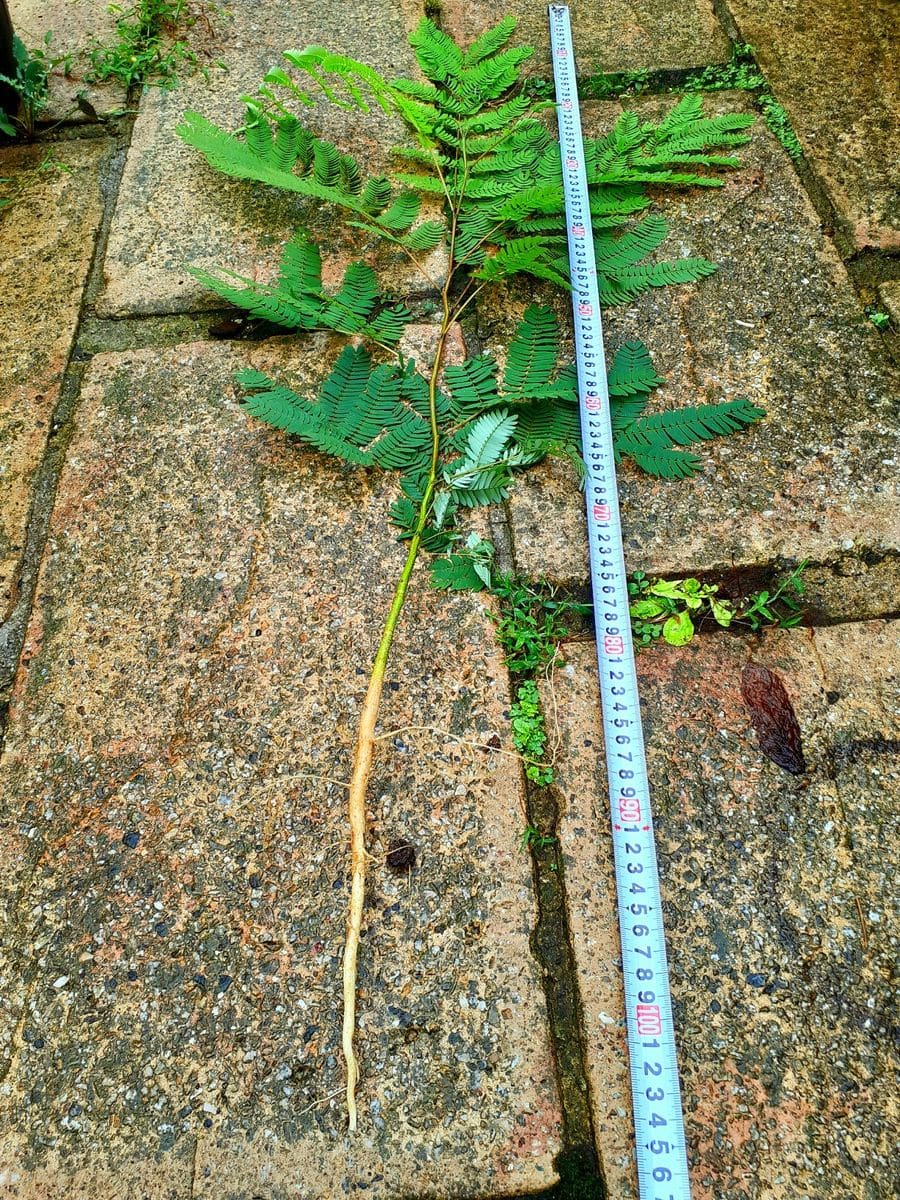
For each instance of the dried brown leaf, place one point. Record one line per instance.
(772, 716)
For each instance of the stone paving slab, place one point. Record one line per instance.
(46, 246)
(889, 294)
(779, 324)
(174, 851)
(613, 36)
(174, 211)
(780, 912)
(76, 25)
(833, 66)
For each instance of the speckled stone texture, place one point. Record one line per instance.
(46, 246)
(833, 66)
(175, 211)
(77, 26)
(612, 36)
(174, 848)
(779, 324)
(780, 910)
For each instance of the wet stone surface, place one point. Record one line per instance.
(615, 36)
(833, 67)
(779, 324)
(175, 211)
(174, 865)
(46, 246)
(777, 892)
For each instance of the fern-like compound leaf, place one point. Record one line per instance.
(359, 415)
(424, 237)
(632, 371)
(531, 255)
(486, 439)
(401, 213)
(297, 301)
(489, 42)
(531, 358)
(614, 253)
(259, 160)
(472, 386)
(334, 74)
(438, 56)
(456, 572)
(661, 461)
(625, 284)
(682, 426)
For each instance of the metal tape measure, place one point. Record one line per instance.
(659, 1123)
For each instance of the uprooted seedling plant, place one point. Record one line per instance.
(458, 435)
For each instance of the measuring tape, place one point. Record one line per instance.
(658, 1120)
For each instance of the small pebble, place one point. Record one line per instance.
(756, 980)
(131, 839)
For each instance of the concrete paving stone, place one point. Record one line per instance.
(779, 324)
(613, 36)
(889, 294)
(46, 245)
(76, 26)
(833, 68)
(174, 850)
(175, 211)
(781, 921)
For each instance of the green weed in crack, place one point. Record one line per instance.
(150, 47)
(457, 436)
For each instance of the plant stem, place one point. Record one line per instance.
(365, 742)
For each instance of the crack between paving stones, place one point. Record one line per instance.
(15, 622)
(579, 1164)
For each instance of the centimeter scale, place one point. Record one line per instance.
(659, 1124)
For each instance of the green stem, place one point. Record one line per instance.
(365, 744)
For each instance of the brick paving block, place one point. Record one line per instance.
(175, 211)
(46, 245)
(779, 324)
(617, 36)
(834, 69)
(777, 895)
(174, 850)
(76, 27)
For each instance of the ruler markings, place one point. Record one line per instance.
(659, 1124)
